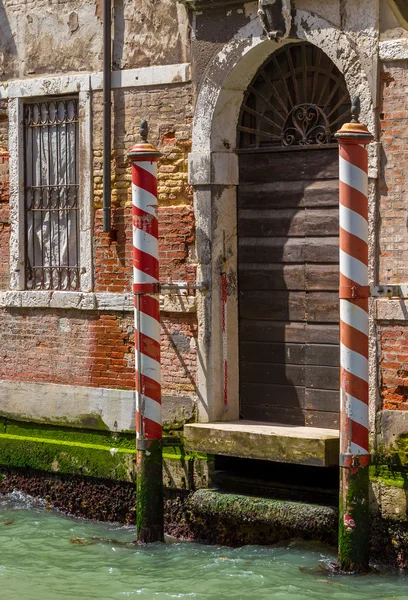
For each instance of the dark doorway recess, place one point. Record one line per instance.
(288, 245)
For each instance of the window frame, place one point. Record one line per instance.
(23, 92)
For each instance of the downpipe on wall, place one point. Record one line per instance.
(107, 115)
(354, 517)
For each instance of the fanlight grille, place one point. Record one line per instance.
(297, 98)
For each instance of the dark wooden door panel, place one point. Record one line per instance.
(253, 276)
(288, 251)
(281, 374)
(272, 352)
(279, 306)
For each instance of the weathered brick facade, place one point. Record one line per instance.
(393, 206)
(393, 349)
(393, 240)
(91, 349)
(97, 349)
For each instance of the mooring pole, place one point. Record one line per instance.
(354, 292)
(149, 489)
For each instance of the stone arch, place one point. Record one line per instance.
(213, 172)
(232, 69)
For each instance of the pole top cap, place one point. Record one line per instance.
(355, 130)
(144, 150)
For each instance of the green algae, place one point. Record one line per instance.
(354, 520)
(149, 494)
(389, 476)
(67, 457)
(68, 434)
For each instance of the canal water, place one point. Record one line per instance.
(47, 556)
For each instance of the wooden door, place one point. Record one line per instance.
(288, 252)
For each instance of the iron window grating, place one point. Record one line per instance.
(51, 193)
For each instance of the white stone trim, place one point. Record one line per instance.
(390, 50)
(16, 166)
(85, 192)
(393, 309)
(90, 301)
(213, 168)
(68, 405)
(84, 407)
(73, 83)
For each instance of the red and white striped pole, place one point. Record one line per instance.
(354, 293)
(149, 497)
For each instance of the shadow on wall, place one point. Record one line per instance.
(7, 43)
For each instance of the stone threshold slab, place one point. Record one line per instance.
(265, 441)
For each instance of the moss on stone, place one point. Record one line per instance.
(389, 476)
(354, 520)
(69, 434)
(233, 519)
(67, 457)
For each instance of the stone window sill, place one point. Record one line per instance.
(90, 301)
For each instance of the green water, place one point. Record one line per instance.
(46, 556)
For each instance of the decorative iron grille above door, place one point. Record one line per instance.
(297, 98)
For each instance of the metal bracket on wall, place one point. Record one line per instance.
(399, 290)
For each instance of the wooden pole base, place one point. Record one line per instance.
(149, 493)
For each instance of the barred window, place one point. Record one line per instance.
(51, 194)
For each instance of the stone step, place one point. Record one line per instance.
(265, 441)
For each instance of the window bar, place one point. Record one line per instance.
(66, 190)
(58, 194)
(49, 194)
(40, 197)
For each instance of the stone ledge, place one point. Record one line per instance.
(90, 301)
(391, 50)
(84, 407)
(264, 441)
(393, 309)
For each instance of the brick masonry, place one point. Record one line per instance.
(393, 356)
(393, 205)
(91, 349)
(96, 349)
(393, 238)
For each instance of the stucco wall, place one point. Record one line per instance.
(38, 37)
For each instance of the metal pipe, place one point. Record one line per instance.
(107, 118)
(354, 293)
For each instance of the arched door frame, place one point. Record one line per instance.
(213, 173)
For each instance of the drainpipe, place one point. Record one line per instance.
(107, 88)
(354, 292)
(149, 468)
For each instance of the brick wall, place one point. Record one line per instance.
(393, 231)
(96, 349)
(91, 349)
(168, 112)
(393, 355)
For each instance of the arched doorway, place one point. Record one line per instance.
(287, 229)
